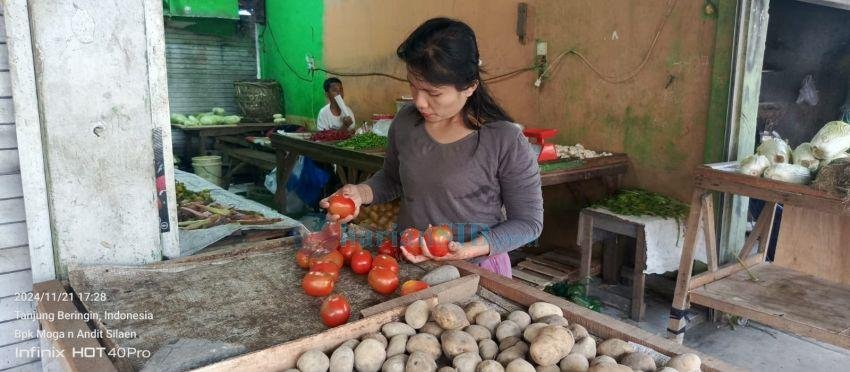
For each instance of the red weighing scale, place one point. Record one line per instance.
(537, 138)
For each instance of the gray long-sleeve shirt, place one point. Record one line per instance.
(464, 184)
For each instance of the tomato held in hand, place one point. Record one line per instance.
(302, 258)
(410, 241)
(361, 262)
(388, 249)
(317, 284)
(412, 286)
(333, 257)
(438, 238)
(335, 310)
(327, 268)
(341, 206)
(349, 248)
(385, 262)
(383, 280)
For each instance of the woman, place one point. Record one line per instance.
(455, 157)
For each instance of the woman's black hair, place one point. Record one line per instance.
(444, 51)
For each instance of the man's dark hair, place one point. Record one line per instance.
(329, 81)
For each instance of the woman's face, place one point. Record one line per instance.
(438, 103)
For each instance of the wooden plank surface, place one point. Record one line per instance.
(54, 301)
(451, 291)
(10, 186)
(12, 210)
(596, 323)
(10, 308)
(9, 161)
(784, 299)
(8, 139)
(13, 235)
(14, 282)
(18, 354)
(7, 330)
(14, 259)
(815, 243)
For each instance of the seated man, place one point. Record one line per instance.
(335, 115)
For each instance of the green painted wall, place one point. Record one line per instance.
(293, 30)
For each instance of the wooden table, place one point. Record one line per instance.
(276, 340)
(354, 166)
(202, 132)
(780, 294)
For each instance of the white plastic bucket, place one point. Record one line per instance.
(208, 168)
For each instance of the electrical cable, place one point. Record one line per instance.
(274, 40)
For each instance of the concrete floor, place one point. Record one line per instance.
(753, 347)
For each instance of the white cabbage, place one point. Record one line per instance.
(802, 155)
(831, 140)
(754, 165)
(776, 150)
(789, 173)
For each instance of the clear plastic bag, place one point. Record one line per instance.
(808, 92)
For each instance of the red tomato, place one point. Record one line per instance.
(410, 241)
(384, 261)
(412, 286)
(302, 258)
(317, 284)
(349, 248)
(361, 262)
(388, 249)
(327, 268)
(334, 257)
(335, 310)
(438, 238)
(383, 280)
(341, 206)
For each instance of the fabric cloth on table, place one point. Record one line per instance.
(499, 264)
(665, 238)
(192, 241)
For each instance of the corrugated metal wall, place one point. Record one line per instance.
(15, 273)
(202, 68)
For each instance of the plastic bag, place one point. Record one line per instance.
(808, 92)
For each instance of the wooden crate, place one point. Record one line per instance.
(550, 267)
(474, 281)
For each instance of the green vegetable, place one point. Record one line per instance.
(278, 116)
(576, 293)
(218, 110)
(364, 141)
(192, 120)
(232, 119)
(644, 203)
(210, 120)
(178, 119)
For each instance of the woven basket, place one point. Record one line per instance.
(258, 99)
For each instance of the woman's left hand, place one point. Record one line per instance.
(457, 251)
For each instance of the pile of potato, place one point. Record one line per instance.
(379, 216)
(477, 339)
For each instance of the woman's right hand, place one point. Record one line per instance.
(354, 192)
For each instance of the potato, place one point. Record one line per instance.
(440, 275)
(416, 314)
(488, 349)
(547, 350)
(519, 365)
(518, 350)
(667, 369)
(538, 310)
(313, 361)
(609, 368)
(489, 366)
(431, 328)
(578, 331)
(395, 363)
(574, 363)
(420, 362)
(397, 345)
(614, 348)
(424, 343)
(369, 355)
(507, 329)
(489, 319)
(638, 362)
(291, 370)
(447, 369)
(392, 329)
(352, 343)
(457, 342)
(449, 316)
(478, 332)
(342, 359)
(554, 368)
(509, 342)
(466, 362)
(685, 363)
(377, 336)
(521, 318)
(554, 320)
(602, 360)
(586, 347)
(474, 308)
(530, 332)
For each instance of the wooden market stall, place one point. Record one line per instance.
(195, 297)
(803, 291)
(201, 133)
